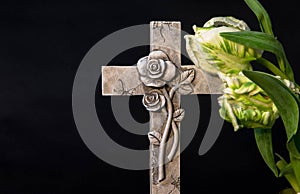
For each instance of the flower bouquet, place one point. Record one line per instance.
(226, 47)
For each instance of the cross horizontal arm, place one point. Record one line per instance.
(124, 80)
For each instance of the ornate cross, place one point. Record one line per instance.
(161, 79)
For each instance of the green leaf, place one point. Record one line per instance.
(256, 40)
(262, 41)
(281, 95)
(288, 191)
(291, 146)
(295, 159)
(266, 26)
(288, 69)
(288, 169)
(262, 16)
(296, 166)
(297, 140)
(271, 67)
(289, 175)
(281, 159)
(263, 139)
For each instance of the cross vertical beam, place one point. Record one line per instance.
(165, 36)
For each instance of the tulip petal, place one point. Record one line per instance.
(197, 54)
(227, 21)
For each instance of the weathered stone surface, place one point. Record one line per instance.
(203, 83)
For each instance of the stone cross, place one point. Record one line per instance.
(161, 79)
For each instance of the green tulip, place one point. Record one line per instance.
(244, 104)
(211, 52)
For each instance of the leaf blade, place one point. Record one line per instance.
(296, 166)
(262, 16)
(290, 176)
(295, 160)
(263, 138)
(281, 96)
(256, 40)
(262, 41)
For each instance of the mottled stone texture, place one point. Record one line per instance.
(111, 86)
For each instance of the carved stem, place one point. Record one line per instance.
(175, 141)
(173, 90)
(174, 128)
(161, 156)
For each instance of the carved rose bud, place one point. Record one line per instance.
(156, 69)
(213, 53)
(154, 100)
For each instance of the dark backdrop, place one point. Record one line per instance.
(42, 44)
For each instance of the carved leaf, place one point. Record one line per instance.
(178, 114)
(154, 137)
(185, 89)
(187, 76)
(175, 82)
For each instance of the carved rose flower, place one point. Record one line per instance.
(154, 100)
(156, 69)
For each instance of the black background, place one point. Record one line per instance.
(42, 44)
